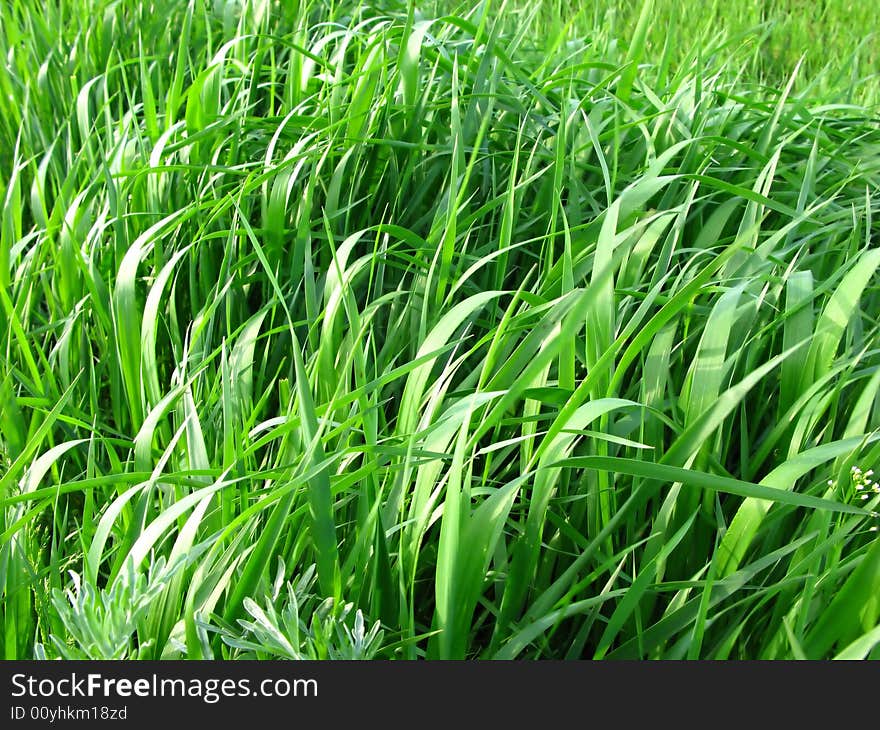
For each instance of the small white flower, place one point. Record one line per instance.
(859, 486)
(865, 496)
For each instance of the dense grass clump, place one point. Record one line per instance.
(349, 330)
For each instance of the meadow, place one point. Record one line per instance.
(497, 330)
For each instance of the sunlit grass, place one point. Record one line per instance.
(341, 330)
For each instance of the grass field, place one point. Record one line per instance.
(836, 42)
(341, 330)
(828, 33)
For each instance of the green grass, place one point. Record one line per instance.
(834, 41)
(341, 330)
